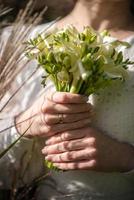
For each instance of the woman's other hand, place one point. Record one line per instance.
(87, 148)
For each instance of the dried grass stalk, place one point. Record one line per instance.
(11, 55)
(4, 10)
(11, 49)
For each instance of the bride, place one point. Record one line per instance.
(98, 159)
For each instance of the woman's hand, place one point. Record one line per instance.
(58, 112)
(87, 148)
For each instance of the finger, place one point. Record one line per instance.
(66, 97)
(63, 147)
(90, 164)
(57, 128)
(66, 136)
(50, 130)
(86, 154)
(66, 118)
(51, 107)
(70, 146)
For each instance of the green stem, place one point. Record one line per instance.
(11, 145)
(76, 85)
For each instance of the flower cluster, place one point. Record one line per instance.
(79, 62)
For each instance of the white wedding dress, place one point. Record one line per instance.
(114, 115)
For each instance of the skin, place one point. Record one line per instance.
(43, 116)
(88, 148)
(75, 144)
(116, 16)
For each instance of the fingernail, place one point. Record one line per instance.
(46, 158)
(44, 151)
(47, 142)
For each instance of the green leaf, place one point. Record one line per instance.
(12, 145)
(51, 166)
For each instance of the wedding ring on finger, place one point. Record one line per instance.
(61, 118)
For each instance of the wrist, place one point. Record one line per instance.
(22, 122)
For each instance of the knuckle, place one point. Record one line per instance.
(70, 146)
(72, 156)
(65, 145)
(43, 106)
(47, 107)
(64, 97)
(41, 119)
(47, 118)
(68, 156)
(49, 129)
(65, 136)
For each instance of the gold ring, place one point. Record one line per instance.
(60, 117)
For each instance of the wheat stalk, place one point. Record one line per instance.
(12, 49)
(11, 56)
(4, 10)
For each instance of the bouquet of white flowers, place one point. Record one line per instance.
(79, 62)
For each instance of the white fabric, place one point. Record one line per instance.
(114, 115)
(17, 159)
